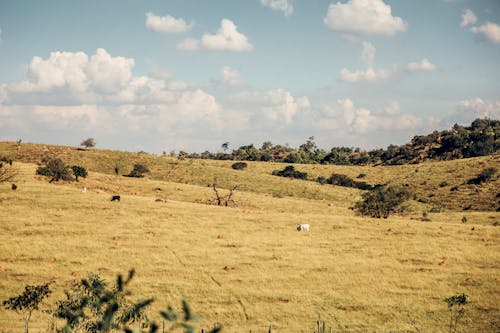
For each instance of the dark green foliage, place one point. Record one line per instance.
(382, 201)
(13, 187)
(93, 306)
(239, 165)
(55, 169)
(361, 175)
(79, 171)
(28, 301)
(345, 181)
(456, 306)
(290, 172)
(483, 176)
(443, 184)
(481, 138)
(322, 180)
(138, 171)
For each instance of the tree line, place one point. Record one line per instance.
(481, 138)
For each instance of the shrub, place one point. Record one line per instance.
(361, 175)
(443, 184)
(7, 172)
(290, 172)
(322, 180)
(239, 166)
(381, 201)
(55, 169)
(483, 176)
(138, 171)
(88, 143)
(79, 171)
(456, 306)
(343, 180)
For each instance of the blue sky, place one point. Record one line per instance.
(184, 74)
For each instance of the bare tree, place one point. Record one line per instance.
(88, 143)
(221, 199)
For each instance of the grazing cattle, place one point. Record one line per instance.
(115, 198)
(303, 227)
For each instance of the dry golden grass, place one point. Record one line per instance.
(246, 267)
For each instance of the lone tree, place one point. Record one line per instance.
(381, 201)
(225, 146)
(88, 143)
(79, 171)
(55, 169)
(28, 301)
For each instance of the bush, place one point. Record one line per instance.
(55, 169)
(322, 180)
(239, 166)
(138, 171)
(483, 176)
(290, 172)
(381, 201)
(79, 171)
(343, 180)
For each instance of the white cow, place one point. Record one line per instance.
(303, 227)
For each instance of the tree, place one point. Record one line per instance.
(138, 171)
(223, 200)
(290, 172)
(79, 171)
(55, 169)
(28, 301)
(239, 165)
(88, 143)
(456, 306)
(381, 201)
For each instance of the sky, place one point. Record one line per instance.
(190, 75)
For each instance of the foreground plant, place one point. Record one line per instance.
(456, 306)
(28, 301)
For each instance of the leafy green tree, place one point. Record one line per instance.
(55, 169)
(138, 171)
(381, 201)
(79, 171)
(88, 143)
(28, 301)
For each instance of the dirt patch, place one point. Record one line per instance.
(351, 308)
(414, 261)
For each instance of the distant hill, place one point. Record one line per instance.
(481, 138)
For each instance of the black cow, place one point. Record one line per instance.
(115, 198)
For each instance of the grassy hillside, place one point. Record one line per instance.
(246, 267)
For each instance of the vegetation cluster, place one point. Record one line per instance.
(481, 138)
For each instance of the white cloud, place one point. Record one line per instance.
(361, 120)
(283, 5)
(468, 17)
(229, 77)
(227, 38)
(423, 65)
(479, 108)
(369, 75)
(489, 31)
(363, 17)
(368, 53)
(167, 24)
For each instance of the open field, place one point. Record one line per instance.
(246, 267)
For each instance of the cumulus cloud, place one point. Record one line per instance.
(370, 75)
(73, 92)
(361, 120)
(468, 17)
(363, 17)
(479, 108)
(227, 38)
(166, 24)
(488, 31)
(283, 5)
(229, 77)
(422, 65)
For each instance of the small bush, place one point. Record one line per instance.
(322, 180)
(290, 172)
(343, 180)
(443, 184)
(483, 176)
(239, 165)
(79, 171)
(138, 171)
(361, 175)
(454, 188)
